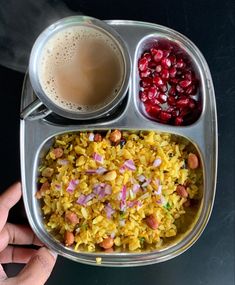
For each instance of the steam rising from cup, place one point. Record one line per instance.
(20, 24)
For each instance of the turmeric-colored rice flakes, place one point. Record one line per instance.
(117, 191)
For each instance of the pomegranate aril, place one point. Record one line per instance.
(162, 98)
(185, 83)
(172, 72)
(179, 89)
(166, 53)
(166, 62)
(158, 81)
(143, 64)
(172, 59)
(188, 76)
(148, 56)
(171, 100)
(155, 101)
(143, 96)
(152, 65)
(178, 121)
(175, 113)
(192, 104)
(174, 80)
(145, 73)
(184, 111)
(172, 91)
(158, 55)
(165, 74)
(153, 51)
(170, 109)
(164, 116)
(191, 90)
(152, 91)
(154, 111)
(163, 88)
(158, 68)
(180, 63)
(182, 103)
(145, 82)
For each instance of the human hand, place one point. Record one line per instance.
(39, 262)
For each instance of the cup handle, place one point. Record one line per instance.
(31, 113)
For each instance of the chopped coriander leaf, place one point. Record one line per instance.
(142, 240)
(167, 206)
(122, 214)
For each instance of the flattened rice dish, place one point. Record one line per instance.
(118, 190)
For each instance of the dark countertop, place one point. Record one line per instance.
(210, 25)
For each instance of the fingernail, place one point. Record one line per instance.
(53, 253)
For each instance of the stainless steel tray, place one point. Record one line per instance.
(36, 136)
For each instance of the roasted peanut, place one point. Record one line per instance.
(181, 191)
(193, 161)
(58, 152)
(115, 136)
(47, 172)
(97, 138)
(71, 217)
(45, 186)
(68, 238)
(107, 243)
(110, 176)
(152, 222)
(109, 250)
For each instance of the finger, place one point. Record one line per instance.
(17, 234)
(7, 200)
(3, 275)
(13, 254)
(38, 269)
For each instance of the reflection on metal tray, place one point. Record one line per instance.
(37, 134)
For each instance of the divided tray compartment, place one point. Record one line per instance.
(36, 137)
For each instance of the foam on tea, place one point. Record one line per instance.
(81, 68)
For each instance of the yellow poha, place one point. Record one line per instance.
(124, 194)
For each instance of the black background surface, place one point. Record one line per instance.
(211, 26)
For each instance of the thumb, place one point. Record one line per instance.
(38, 269)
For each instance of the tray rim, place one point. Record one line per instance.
(23, 126)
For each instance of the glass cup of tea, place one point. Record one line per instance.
(79, 68)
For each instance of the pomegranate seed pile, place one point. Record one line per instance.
(168, 86)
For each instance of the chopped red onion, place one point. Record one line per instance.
(123, 191)
(112, 235)
(84, 199)
(159, 190)
(91, 137)
(157, 162)
(72, 185)
(102, 190)
(98, 157)
(101, 170)
(108, 189)
(89, 197)
(129, 164)
(81, 199)
(122, 169)
(123, 206)
(58, 186)
(109, 210)
(141, 178)
(62, 161)
(139, 205)
(136, 188)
